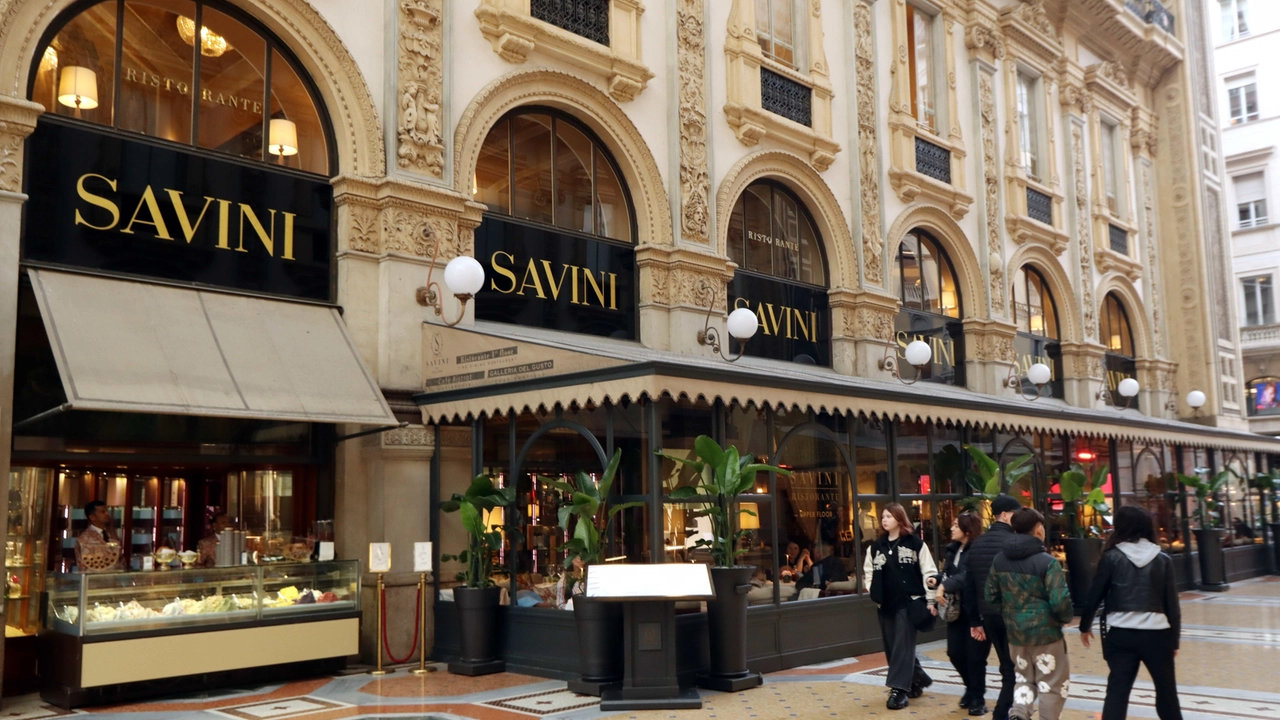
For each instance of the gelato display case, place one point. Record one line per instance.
(110, 636)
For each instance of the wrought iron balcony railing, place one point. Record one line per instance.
(587, 18)
(1039, 206)
(783, 96)
(1119, 238)
(933, 161)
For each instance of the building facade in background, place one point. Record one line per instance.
(1013, 183)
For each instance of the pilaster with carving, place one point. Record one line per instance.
(1083, 232)
(872, 223)
(991, 188)
(865, 321)
(1084, 370)
(420, 88)
(989, 355)
(677, 285)
(1143, 145)
(695, 185)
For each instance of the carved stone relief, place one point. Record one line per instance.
(870, 322)
(411, 233)
(1084, 234)
(868, 147)
(363, 234)
(991, 180)
(695, 186)
(419, 88)
(1153, 261)
(411, 436)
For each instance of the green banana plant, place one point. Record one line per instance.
(723, 475)
(985, 478)
(1079, 487)
(1269, 484)
(481, 497)
(588, 514)
(1206, 490)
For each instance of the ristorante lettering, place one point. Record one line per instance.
(771, 240)
(782, 321)
(159, 214)
(182, 87)
(545, 280)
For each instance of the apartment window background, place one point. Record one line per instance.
(1259, 301)
(1251, 200)
(1235, 19)
(778, 31)
(920, 37)
(1242, 99)
(1110, 160)
(1028, 91)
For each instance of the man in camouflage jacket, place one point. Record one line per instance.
(1030, 588)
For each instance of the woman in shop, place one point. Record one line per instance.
(965, 652)
(1142, 621)
(898, 563)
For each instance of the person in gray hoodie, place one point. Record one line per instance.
(1141, 619)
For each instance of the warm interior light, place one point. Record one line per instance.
(282, 137)
(1085, 456)
(1115, 342)
(49, 60)
(748, 522)
(948, 299)
(1037, 323)
(78, 88)
(495, 519)
(211, 44)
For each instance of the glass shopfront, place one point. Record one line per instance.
(1036, 314)
(1117, 334)
(932, 308)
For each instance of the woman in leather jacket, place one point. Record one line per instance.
(965, 652)
(1141, 620)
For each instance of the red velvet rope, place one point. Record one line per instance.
(417, 623)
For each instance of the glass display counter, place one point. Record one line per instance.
(110, 635)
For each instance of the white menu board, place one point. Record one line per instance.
(665, 581)
(422, 557)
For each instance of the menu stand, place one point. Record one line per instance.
(649, 594)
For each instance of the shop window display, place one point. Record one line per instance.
(25, 547)
(189, 72)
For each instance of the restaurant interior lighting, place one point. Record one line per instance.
(749, 516)
(282, 137)
(78, 88)
(211, 43)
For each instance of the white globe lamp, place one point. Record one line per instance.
(464, 276)
(1195, 399)
(919, 353)
(1039, 374)
(743, 324)
(1128, 387)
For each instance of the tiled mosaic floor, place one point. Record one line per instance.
(1230, 647)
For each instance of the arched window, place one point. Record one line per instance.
(925, 283)
(142, 66)
(557, 237)
(1036, 315)
(545, 167)
(781, 275)
(1117, 335)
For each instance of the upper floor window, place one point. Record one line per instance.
(1242, 99)
(920, 36)
(1028, 123)
(1235, 19)
(1251, 200)
(778, 29)
(770, 232)
(545, 167)
(1259, 304)
(1110, 160)
(926, 281)
(1116, 331)
(1034, 311)
(188, 71)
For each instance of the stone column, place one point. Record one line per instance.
(989, 355)
(1085, 370)
(17, 121)
(865, 322)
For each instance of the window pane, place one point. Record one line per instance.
(913, 458)
(930, 276)
(759, 229)
(1235, 98)
(611, 202)
(531, 147)
(1251, 101)
(1264, 300)
(812, 270)
(291, 101)
(735, 239)
(922, 27)
(232, 70)
(909, 261)
(950, 460)
(786, 237)
(156, 67)
(872, 460)
(816, 508)
(1027, 125)
(950, 296)
(1109, 165)
(573, 179)
(784, 32)
(493, 169)
(81, 67)
(763, 34)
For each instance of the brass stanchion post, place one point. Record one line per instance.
(422, 668)
(381, 626)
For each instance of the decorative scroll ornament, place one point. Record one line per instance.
(991, 180)
(420, 86)
(980, 37)
(695, 185)
(868, 147)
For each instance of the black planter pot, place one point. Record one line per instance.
(727, 630)
(478, 623)
(1213, 564)
(1275, 547)
(1083, 555)
(600, 645)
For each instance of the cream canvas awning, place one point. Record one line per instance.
(125, 346)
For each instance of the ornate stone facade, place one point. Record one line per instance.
(1084, 236)
(420, 88)
(695, 185)
(991, 184)
(872, 225)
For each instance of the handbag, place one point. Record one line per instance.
(951, 611)
(918, 613)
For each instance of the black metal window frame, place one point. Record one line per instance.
(1039, 206)
(933, 160)
(584, 18)
(785, 97)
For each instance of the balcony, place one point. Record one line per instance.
(933, 161)
(585, 18)
(1152, 12)
(1259, 336)
(783, 96)
(1119, 239)
(1039, 206)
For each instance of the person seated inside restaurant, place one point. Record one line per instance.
(796, 563)
(829, 568)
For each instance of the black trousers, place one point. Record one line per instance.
(998, 637)
(900, 650)
(1124, 649)
(968, 656)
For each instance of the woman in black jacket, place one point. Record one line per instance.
(1141, 619)
(966, 653)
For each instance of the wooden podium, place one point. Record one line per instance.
(649, 594)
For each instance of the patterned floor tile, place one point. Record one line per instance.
(279, 709)
(541, 704)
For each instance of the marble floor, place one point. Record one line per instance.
(1230, 648)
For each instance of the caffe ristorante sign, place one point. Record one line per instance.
(103, 201)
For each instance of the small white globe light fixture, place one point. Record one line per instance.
(464, 276)
(1195, 399)
(1128, 387)
(1039, 374)
(743, 324)
(919, 353)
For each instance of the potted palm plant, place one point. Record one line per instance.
(1213, 563)
(1084, 505)
(587, 518)
(723, 475)
(478, 598)
(984, 477)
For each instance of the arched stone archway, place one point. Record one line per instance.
(343, 90)
(948, 233)
(593, 108)
(1042, 259)
(1124, 289)
(799, 177)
